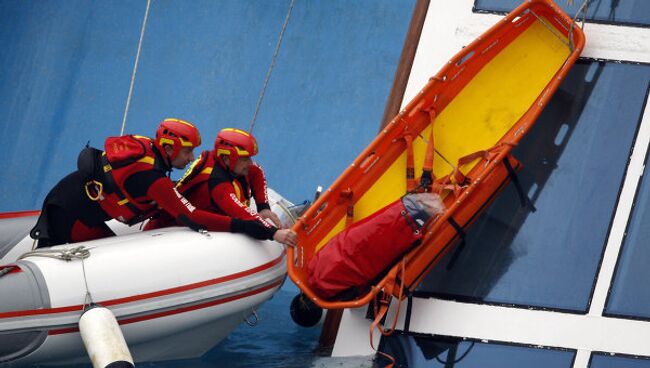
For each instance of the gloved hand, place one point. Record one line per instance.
(268, 214)
(286, 237)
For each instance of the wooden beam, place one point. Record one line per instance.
(405, 62)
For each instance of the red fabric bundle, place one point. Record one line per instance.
(357, 255)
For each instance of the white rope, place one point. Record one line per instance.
(135, 67)
(271, 66)
(67, 255)
(88, 298)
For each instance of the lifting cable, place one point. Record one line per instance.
(582, 9)
(135, 67)
(271, 66)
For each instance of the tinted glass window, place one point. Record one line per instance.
(607, 361)
(574, 161)
(628, 295)
(634, 12)
(425, 351)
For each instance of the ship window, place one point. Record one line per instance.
(549, 258)
(416, 351)
(600, 360)
(635, 13)
(629, 296)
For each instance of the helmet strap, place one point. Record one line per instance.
(169, 156)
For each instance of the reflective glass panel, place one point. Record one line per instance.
(633, 12)
(630, 294)
(574, 161)
(607, 361)
(426, 351)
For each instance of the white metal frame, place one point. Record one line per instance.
(449, 26)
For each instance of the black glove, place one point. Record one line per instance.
(252, 228)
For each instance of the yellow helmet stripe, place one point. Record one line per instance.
(236, 131)
(180, 121)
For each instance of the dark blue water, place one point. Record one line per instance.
(274, 342)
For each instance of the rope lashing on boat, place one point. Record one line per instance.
(135, 67)
(80, 252)
(271, 66)
(67, 255)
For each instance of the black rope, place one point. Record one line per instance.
(523, 198)
(409, 309)
(452, 352)
(461, 246)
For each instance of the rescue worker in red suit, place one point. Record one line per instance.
(224, 180)
(78, 206)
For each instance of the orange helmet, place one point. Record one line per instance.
(178, 134)
(235, 143)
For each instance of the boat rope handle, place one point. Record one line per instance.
(271, 66)
(253, 322)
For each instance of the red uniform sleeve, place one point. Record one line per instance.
(224, 196)
(257, 181)
(169, 199)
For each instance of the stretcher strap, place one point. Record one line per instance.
(410, 163)
(523, 198)
(427, 178)
(381, 305)
(461, 246)
(110, 184)
(347, 195)
(409, 310)
(456, 180)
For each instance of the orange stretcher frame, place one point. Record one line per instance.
(484, 170)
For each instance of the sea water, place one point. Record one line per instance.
(276, 341)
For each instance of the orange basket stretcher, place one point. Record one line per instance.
(461, 126)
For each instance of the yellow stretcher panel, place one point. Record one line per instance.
(478, 117)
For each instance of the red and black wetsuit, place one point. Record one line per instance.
(211, 187)
(129, 194)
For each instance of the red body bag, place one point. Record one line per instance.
(356, 256)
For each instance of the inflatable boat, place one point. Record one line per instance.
(174, 292)
(457, 135)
